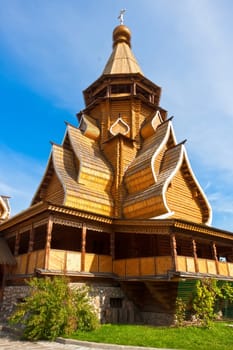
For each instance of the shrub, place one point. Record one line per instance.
(208, 299)
(210, 293)
(180, 312)
(53, 309)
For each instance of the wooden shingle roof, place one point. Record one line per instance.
(149, 175)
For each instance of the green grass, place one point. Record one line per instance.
(219, 336)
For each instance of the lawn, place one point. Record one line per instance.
(219, 336)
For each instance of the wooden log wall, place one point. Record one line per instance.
(181, 200)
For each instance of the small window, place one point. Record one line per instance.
(101, 93)
(116, 303)
(222, 259)
(120, 89)
(143, 92)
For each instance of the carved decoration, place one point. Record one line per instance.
(119, 127)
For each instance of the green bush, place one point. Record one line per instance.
(180, 312)
(205, 300)
(209, 297)
(53, 309)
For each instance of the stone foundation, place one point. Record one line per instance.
(11, 296)
(110, 303)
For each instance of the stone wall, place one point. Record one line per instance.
(11, 296)
(100, 294)
(110, 303)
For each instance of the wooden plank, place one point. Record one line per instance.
(56, 260)
(119, 267)
(230, 268)
(23, 264)
(40, 259)
(211, 267)
(147, 266)
(32, 262)
(190, 262)
(91, 263)
(132, 267)
(181, 263)
(73, 262)
(202, 265)
(223, 270)
(105, 263)
(163, 264)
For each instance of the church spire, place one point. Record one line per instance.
(122, 60)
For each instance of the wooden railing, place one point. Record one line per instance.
(205, 266)
(62, 261)
(142, 266)
(69, 261)
(26, 263)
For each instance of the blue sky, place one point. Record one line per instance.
(51, 50)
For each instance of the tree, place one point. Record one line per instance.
(53, 309)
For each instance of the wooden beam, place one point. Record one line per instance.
(48, 241)
(30, 246)
(83, 250)
(173, 250)
(112, 245)
(215, 255)
(31, 239)
(194, 246)
(4, 272)
(17, 239)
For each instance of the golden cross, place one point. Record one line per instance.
(121, 16)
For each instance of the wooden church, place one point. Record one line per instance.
(119, 207)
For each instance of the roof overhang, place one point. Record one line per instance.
(139, 226)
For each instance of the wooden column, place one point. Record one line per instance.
(112, 245)
(3, 284)
(83, 251)
(48, 241)
(31, 239)
(174, 251)
(215, 256)
(195, 255)
(134, 89)
(30, 247)
(17, 240)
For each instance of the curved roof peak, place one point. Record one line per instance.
(122, 60)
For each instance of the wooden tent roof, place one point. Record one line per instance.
(151, 172)
(96, 170)
(78, 175)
